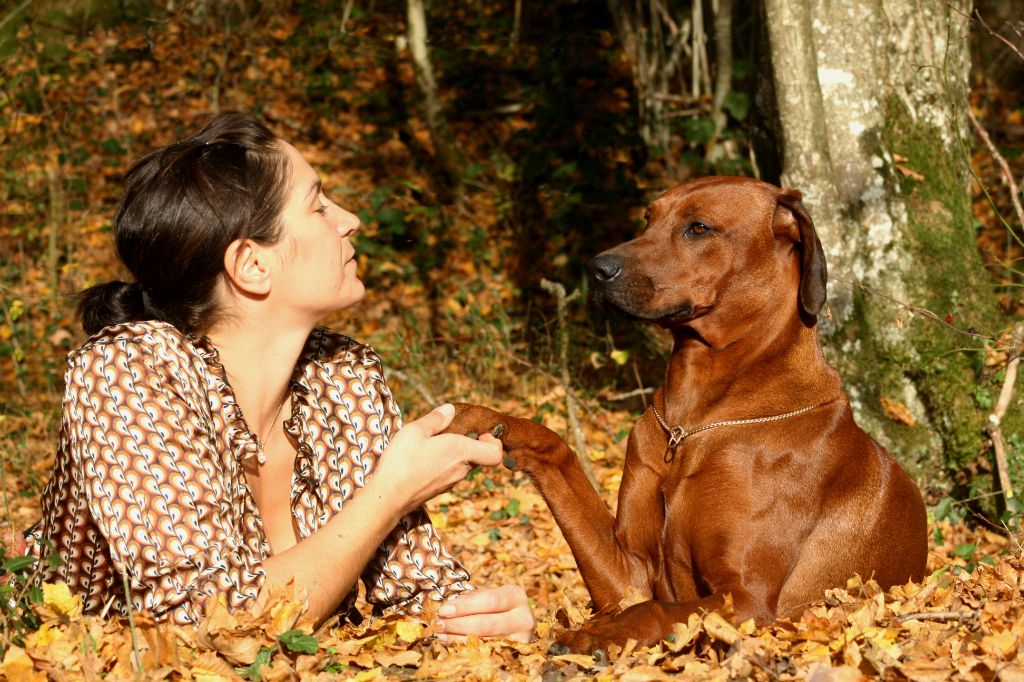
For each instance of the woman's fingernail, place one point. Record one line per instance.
(441, 638)
(439, 625)
(447, 409)
(446, 610)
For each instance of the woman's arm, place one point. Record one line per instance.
(416, 466)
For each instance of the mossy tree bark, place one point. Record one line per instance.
(871, 97)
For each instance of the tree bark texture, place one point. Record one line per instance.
(871, 98)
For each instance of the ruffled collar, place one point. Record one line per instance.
(244, 443)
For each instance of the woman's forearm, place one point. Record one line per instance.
(327, 564)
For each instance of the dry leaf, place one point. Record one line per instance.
(898, 412)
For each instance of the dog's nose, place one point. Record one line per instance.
(605, 267)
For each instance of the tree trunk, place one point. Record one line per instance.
(448, 155)
(871, 99)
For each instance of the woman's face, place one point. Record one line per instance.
(317, 261)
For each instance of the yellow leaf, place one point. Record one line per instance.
(619, 357)
(581, 660)
(208, 667)
(402, 659)
(455, 307)
(438, 519)
(371, 674)
(408, 630)
(721, 629)
(18, 667)
(58, 598)
(46, 635)
(685, 633)
(999, 644)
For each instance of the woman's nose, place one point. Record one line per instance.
(349, 222)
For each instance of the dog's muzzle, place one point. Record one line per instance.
(629, 295)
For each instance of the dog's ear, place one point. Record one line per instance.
(813, 271)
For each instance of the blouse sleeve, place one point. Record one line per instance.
(412, 564)
(141, 437)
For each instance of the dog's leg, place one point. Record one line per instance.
(610, 571)
(651, 621)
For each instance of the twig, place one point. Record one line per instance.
(420, 388)
(571, 402)
(923, 312)
(992, 426)
(629, 394)
(591, 412)
(1004, 169)
(345, 15)
(994, 34)
(940, 615)
(640, 383)
(131, 626)
(517, 22)
(13, 13)
(723, 54)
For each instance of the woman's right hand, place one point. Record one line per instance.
(421, 462)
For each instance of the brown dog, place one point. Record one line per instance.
(747, 476)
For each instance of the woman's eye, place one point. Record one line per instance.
(696, 229)
(322, 210)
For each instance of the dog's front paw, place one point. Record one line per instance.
(474, 420)
(590, 637)
(642, 622)
(529, 446)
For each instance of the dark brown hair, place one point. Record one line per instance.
(183, 205)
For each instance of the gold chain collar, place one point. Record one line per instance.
(676, 434)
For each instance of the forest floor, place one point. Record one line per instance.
(448, 328)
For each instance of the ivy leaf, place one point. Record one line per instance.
(298, 641)
(965, 551)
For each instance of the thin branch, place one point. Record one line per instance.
(923, 312)
(992, 426)
(940, 615)
(615, 397)
(13, 13)
(999, 36)
(571, 402)
(432, 401)
(1005, 171)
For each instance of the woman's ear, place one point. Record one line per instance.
(246, 267)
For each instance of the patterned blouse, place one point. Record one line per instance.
(148, 479)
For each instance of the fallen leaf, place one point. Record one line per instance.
(898, 412)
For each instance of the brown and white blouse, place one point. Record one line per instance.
(148, 480)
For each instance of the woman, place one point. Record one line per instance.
(175, 466)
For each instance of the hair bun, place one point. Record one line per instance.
(103, 305)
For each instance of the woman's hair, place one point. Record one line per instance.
(183, 205)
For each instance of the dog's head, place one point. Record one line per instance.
(721, 250)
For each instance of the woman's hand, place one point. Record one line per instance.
(419, 463)
(495, 612)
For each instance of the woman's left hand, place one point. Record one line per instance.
(494, 612)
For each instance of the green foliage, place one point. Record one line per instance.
(298, 642)
(19, 592)
(737, 104)
(253, 671)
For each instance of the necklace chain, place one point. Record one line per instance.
(676, 434)
(270, 429)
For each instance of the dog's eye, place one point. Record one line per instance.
(696, 229)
